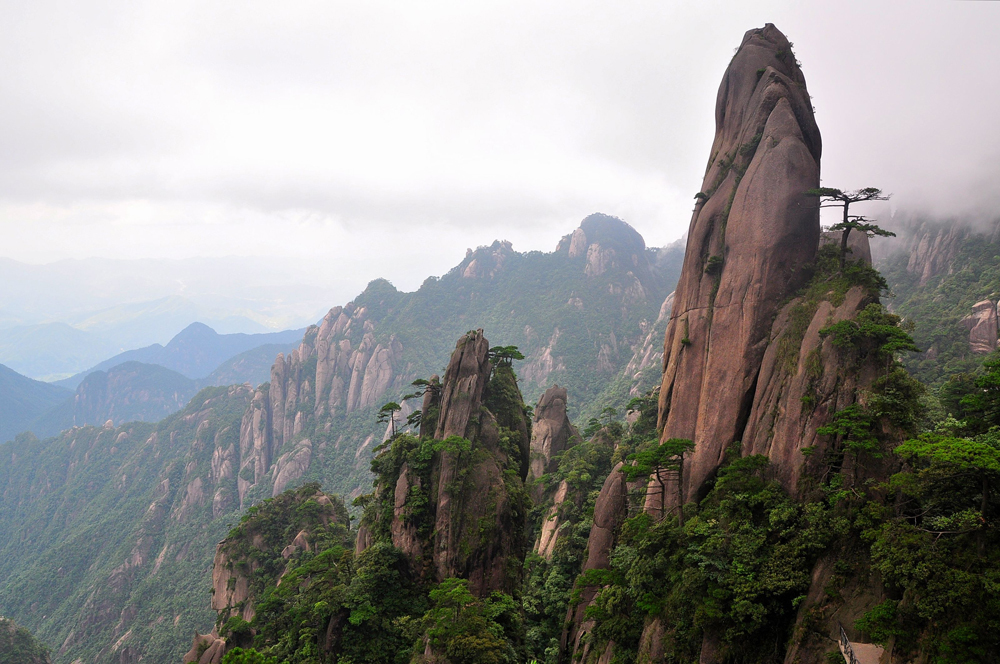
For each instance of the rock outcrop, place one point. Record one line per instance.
(933, 249)
(551, 433)
(752, 238)
(982, 327)
(470, 498)
(130, 391)
(205, 649)
(339, 368)
(256, 545)
(858, 245)
(610, 511)
(19, 646)
(605, 242)
(744, 362)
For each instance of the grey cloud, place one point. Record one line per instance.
(245, 106)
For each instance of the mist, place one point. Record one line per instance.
(383, 139)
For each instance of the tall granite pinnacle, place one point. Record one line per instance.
(752, 233)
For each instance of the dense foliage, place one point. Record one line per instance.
(74, 508)
(938, 306)
(18, 646)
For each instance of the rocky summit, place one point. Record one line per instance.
(753, 234)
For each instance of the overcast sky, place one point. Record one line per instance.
(382, 139)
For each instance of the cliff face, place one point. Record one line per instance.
(982, 327)
(751, 238)
(933, 249)
(18, 646)
(130, 391)
(338, 369)
(744, 362)
(457, 499)
(584, 310)
(259, 552)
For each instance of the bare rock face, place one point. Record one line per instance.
(798, 392)
(486, 262)
(606, 242)
(338, 368)
(648, 355)
(857, 244)
(233, 570)
(546, 544)
(610, 511)
(463, 386)
(982, 327)
(933, 249)
(461, 547)
(753, 234)
(551, 432)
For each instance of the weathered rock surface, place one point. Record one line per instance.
(799, 390)
(933, 249)
(982, 327)
(235, 570)
(339, 368)
(610, 511)
(551, 433)
(477, 510)
(205, 649)
(648, 356)
(490, 562)
(130, 391)
(606, 242)
(110, 610)
(546, 544)
(858, 245)
(750, 242)
(738, 366)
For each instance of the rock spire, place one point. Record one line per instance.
(752, 235)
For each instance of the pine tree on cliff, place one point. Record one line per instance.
(839, 198)
(387, 413)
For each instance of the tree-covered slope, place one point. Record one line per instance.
(937, 272)
(586, 316)
(19, 646)
(108, 533)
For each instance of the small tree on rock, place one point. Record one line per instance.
(655, 462)
(830, 197)
(387, 413)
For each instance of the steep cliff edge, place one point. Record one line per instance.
(18, 646)
(273, 539)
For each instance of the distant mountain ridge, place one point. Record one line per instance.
(142, 385)
(195, 352)
(23, 399)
